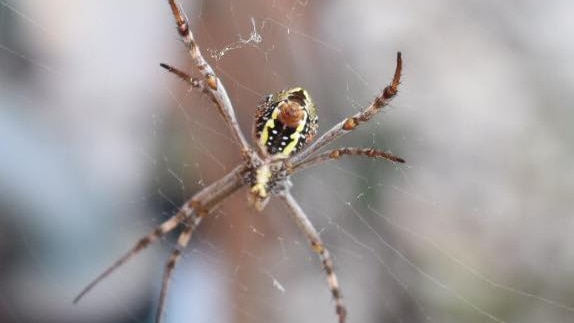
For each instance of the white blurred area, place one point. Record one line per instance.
(477, 227)
(82, 101)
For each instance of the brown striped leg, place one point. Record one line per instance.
(337, 153)
(319, 248)
(182, 242)
(351, 123)
(193, 81)
(159, 232)
(214, 85)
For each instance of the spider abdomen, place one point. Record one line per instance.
(285, 122)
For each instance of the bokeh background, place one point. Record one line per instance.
(98, 145)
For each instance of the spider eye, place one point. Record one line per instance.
(286, 122)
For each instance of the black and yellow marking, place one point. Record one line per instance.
(284, 123)
(276, 137)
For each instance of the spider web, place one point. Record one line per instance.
(98, 145)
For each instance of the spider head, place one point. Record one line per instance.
(285, 122)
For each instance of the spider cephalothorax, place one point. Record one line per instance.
(285, 124)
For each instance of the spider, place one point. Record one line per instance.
(285, 124)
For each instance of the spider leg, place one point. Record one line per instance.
(214, 85)
(191, 212)
(182, 242)
(337, 153)
(159, 232)
(193, 81)
(349, 124)
(319, 248)
(203, 203)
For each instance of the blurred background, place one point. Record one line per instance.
(98, 145)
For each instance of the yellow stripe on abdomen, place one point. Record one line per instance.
(270, 124)
(295, 137)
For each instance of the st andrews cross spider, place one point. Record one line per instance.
(285, 124)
